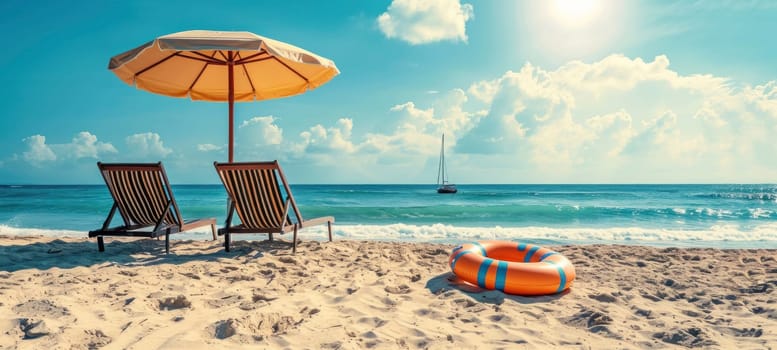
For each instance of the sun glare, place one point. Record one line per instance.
(574, 29)
(576, 11)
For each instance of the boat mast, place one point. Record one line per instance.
(440, 166)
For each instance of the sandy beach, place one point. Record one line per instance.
(60, 293)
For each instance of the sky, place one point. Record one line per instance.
(557, 91)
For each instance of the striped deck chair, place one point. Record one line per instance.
(255, 194)
(142, 194)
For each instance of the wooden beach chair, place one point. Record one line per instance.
(142, 194)
(255, 194)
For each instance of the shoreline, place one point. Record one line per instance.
(764, 237)
(350, 294)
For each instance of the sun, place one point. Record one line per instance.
(576, 12)
(574, 29)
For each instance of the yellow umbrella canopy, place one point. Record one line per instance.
(222, 66)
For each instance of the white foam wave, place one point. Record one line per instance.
(16, 231)
(759, 213)
(679, 211)
(766, 233)
(440, 232)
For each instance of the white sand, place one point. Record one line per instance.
(62, 293)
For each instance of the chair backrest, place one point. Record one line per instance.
(141, 192)
(255, 189)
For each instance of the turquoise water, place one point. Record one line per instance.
(673, 215)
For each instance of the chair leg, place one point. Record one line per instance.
(213, 230)
(329, 226)
(294, 243)
(270, 237)
(100, 244)
(226, 242)
(167, 241)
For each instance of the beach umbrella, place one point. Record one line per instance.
(222, 66)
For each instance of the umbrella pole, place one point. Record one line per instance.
(231, 70)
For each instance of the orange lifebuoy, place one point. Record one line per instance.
(513, 268)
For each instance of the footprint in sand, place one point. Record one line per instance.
(373, 321)
(228, 269)
(174, 303)
(238, 278)
(748, 332)
(95, 339)
(255, 325)
(128, 273)
(333, 345)
(603, 297)
(40, 308)
(643, 312)
(287, 260)
(588, 319)
(225, 301)
(766, 287)
(691, 338)
(400, 289)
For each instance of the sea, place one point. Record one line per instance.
(717, 216)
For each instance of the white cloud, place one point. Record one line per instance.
(624, 120)
(38, 152)
(426, 21)
(147, 145)
(83, 145)
(484, 90)
(208, 147)
(260, 131)
(334, 140)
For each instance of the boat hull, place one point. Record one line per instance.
(447, 189)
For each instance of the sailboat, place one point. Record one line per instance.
(443, 186)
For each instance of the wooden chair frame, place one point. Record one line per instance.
(284, 222)
(131, 199)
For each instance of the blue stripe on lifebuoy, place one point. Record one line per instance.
(531, 252)
(483, 271)
(501, 275)
(456, 258)
(482, 249)
(521, 247)
(547, 255)
(561, 274)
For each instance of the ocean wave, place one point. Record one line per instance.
(17, 231)
(746, 196)
(550, 214)
(767, 232)
(711, 237)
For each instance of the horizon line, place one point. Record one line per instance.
(458, 184)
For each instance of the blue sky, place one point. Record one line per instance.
(588, 91)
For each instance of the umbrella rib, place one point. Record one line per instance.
(204, 58)
(251, 58)
(250, 82)
(293, 70)
(155, 64)
(247, 61)
(245, 70)
(205, 66)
